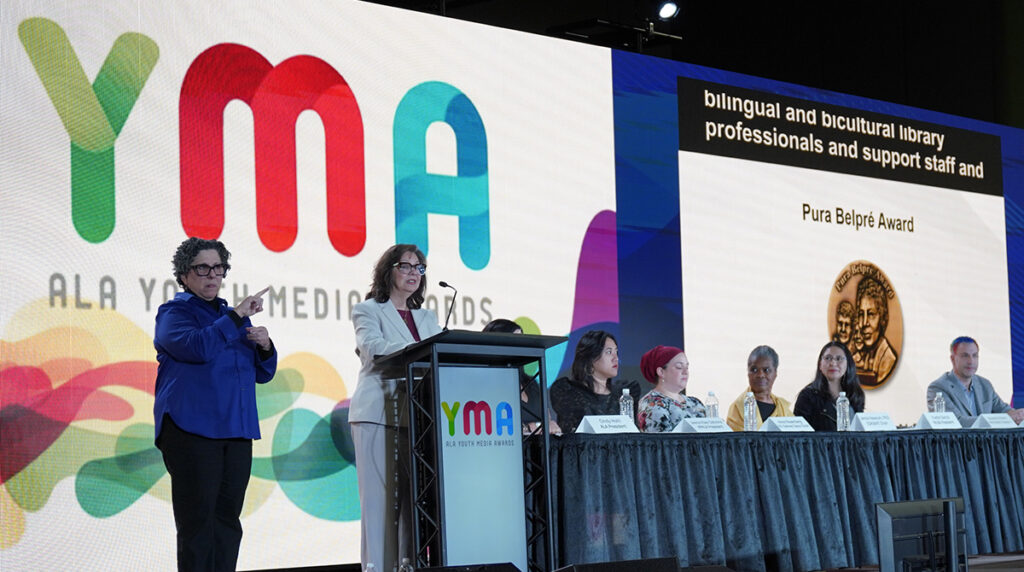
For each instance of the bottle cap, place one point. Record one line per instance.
(711, 394)
(842, 394)
(750, 394)
(625, 392)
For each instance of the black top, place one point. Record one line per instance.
(572, 402)
(819, 409)
(531, 406)
(765, 409)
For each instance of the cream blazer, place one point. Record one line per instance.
(380, 330)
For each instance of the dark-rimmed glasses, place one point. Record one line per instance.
(406, 268)
(205, 269)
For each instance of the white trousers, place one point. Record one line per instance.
(382, 459)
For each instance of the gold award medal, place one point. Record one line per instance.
(864, 314)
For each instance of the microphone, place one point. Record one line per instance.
(444, 284)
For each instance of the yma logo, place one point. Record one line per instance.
(478, 417)
(94, 114)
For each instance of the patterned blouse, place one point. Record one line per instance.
(660, 413)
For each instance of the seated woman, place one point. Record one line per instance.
(836, 372)
(762, 368)
(589, 388)
(529, 389)
(667, 404)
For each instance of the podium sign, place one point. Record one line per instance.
(480, 487)
(480, 424)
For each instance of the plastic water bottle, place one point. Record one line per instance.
(939, 403)
(711, 405)
(842, 412)
(406, 566)
(626, 404)
(749, 412)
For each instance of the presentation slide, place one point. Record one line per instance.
(566, 186)
(803, 222)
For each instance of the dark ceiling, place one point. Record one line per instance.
(963, 58)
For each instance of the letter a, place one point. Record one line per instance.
(418, 192)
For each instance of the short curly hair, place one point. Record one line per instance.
(189, 249)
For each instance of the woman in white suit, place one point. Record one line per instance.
(388, 320)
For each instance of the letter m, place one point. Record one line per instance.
(472, 411)
(276, 95)
(418, 192)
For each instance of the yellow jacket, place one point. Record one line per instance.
(735, 417)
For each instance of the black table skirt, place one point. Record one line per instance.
(775, 501)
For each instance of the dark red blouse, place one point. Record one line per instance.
(407, 316)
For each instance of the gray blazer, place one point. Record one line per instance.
(956, 402)
(381, 331)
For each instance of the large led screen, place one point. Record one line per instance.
(565, 186)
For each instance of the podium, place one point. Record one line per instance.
(480, 486)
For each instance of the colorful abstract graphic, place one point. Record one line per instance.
(76, 401)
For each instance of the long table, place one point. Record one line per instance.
(775, 501)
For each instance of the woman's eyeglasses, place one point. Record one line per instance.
(205, 269)
(406, 268)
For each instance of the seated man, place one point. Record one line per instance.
(968, 395)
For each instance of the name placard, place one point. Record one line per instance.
(944, 420)
(601, 424)
(786, 424)
(702, 425)
(875, 421)
(994, 421)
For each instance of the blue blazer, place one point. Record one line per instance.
(207, 373)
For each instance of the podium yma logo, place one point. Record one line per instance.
(478, 417)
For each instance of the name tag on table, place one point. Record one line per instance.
(606, 424)
(878, 421)
(702, 425)
(786, 424)
(994, 421)
(944, 420)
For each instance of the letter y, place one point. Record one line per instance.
(92, 114)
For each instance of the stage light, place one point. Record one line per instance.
(668, 10)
